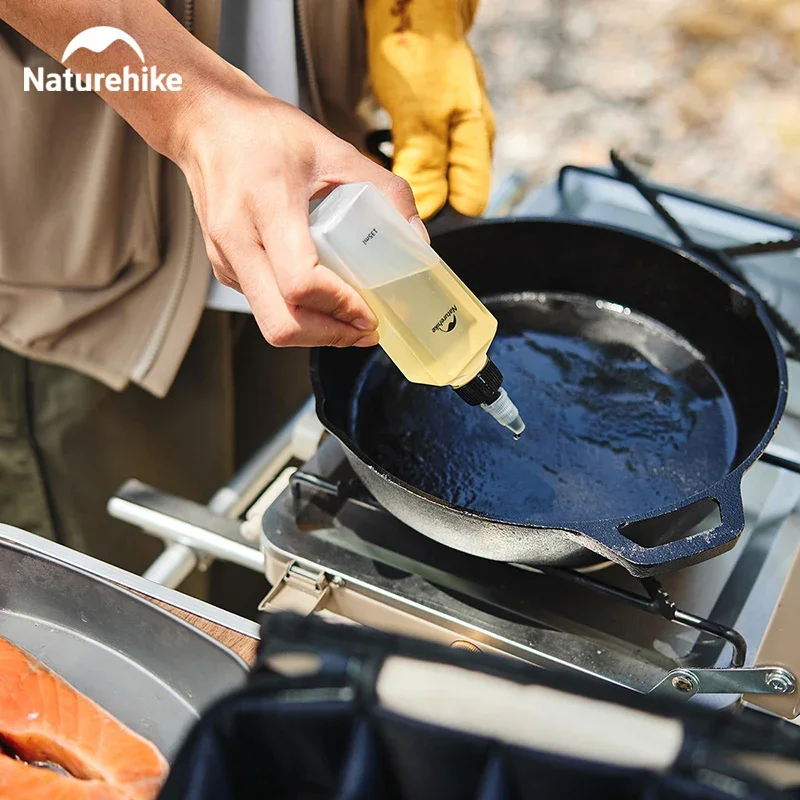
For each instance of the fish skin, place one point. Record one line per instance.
(43, 718)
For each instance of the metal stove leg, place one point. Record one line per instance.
(173, 566)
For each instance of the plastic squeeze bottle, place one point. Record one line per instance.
(430, 324)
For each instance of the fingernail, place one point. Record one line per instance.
(419, 226)
(367, 341)
(364, 325)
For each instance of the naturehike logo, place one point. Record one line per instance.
(439, 326)
(98, 40)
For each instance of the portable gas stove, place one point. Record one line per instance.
(717, 632)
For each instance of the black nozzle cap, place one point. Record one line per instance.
(484, 387)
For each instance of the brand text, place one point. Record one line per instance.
(148, 79)
(440, 324)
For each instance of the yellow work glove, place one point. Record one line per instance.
(427, 78)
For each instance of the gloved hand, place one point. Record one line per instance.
(426, 76)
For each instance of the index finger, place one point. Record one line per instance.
(284, 325)
(301, 279)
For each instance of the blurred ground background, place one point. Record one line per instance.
(705, 92)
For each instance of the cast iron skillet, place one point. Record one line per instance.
(649, 380)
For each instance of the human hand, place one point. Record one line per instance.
(426, 76)
(253, 163)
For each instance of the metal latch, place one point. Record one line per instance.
(300, 589)
(756, 680)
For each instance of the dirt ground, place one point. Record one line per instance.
(704, 93)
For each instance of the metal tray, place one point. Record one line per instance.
(151, 670)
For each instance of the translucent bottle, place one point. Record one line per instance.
(430, 324)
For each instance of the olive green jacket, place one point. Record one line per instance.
(102, 263)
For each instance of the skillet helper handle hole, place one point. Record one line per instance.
(705, 527)
(702, 516)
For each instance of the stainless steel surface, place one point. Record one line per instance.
(179, 559)
(107, 572)
(173, 566)
(185, 523)
(685, 683)
(152, 671)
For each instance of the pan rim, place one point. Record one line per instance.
(734, 474)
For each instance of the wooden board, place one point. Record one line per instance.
(243, 646)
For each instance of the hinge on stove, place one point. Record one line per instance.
(686, 683)
(301, 589)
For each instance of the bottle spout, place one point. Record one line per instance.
(506, 413)
(486, 390)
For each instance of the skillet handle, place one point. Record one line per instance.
(607, 537)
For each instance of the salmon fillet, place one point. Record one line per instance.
(43, 718)
(21, 780)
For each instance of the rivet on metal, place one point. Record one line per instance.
(780, 681)
(685, 683)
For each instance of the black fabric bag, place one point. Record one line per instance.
(347, 713)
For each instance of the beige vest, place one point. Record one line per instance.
(102, 262)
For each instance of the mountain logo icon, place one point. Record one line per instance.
(100, 39)
(452, 325)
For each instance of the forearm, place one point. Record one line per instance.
(162, 118)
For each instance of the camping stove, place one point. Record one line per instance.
(330, 547)
(716, 633)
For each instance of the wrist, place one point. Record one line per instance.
(205, 110)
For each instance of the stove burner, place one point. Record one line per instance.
(656, 602)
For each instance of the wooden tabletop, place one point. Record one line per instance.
(243, 646)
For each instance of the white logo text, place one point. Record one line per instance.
(98, 40)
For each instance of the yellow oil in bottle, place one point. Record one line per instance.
(432, 326)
